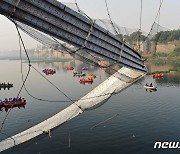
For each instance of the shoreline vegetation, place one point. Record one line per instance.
(173, 62)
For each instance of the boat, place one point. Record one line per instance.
(85, 68)
(1, 105)
(79, 74)
(158, 75)
(6, 85)
(12, 104)
(91, 76)
(49, 71)
(150, 87)
(88, 80)
(70, 68)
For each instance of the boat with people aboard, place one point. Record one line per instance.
(69, 68)
(158, 75)
(150, 87)
(91, 76)
(13, 102)
(88, 80)
(79, 74)
(85, 68)
(49, 71)
(6, 85)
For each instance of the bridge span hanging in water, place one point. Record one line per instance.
(59, 21)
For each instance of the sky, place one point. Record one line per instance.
(125, 13)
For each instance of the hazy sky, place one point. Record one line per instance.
(123, 12)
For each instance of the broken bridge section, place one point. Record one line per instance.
(63, 23)
(94, 98)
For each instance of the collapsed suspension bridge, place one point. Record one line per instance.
(61, 22)
(58, 21)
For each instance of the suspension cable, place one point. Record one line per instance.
(140, 28)
(110, 18)
(159, 9)
(140, 25)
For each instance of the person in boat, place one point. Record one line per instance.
(5, 100)
(23, 99)
(151, 85)
(14, 99)
(19, 99)
(147, 85)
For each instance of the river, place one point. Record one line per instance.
(129, 122)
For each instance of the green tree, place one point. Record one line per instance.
(166, 36)
(134, 37)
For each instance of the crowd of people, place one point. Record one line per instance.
(5, 84)
(15, 99)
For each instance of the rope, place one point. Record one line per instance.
(140, 25)
(158, 16)
(140, 28)
(122, 48)
(89, 33)
(161, 2)
(81, 11)
(105, 121)
(29, 68)
(15, 6)
(87, 37)
(110, 18)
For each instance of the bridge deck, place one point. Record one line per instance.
(112, 85)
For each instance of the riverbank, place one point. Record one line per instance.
(163, 64)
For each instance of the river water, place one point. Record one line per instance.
(129, 122)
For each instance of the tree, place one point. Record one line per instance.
(134, 37)
(166, 36)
